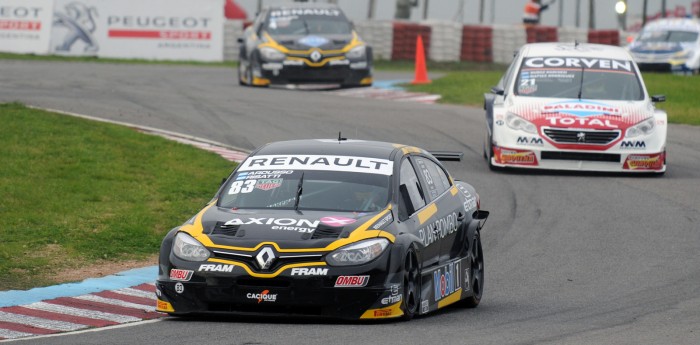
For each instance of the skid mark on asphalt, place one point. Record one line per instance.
(64, 314)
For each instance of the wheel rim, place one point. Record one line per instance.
(477, 267)
(410, 284)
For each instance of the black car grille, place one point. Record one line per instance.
(581, 156)
(281, 260)
(581, 137)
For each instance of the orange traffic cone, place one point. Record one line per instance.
(421, 71)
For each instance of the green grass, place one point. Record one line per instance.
(74, 192)
(32, 57)
(467, 88)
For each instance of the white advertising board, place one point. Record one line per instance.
(25, 26)
(137, 29)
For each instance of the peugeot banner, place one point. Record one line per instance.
(137, 29)
(25, 26)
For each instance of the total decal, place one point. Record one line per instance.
(317, 162)
(514, 156)
(25, 26)
(447, 280)
(215, 268)
(438, 229)
(156, 29)
(264, 296)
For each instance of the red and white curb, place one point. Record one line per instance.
(65, 314)
(388, 94)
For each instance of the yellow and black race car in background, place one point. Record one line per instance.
(303, 44)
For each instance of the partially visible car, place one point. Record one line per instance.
(668, 45)
(304, 43)
(335, 228)
(571, 106)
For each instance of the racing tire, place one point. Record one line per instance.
(477, 275)
(411, 286)
(488, 153)
(254, 61)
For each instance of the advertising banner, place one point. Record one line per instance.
(137, 29)
(25, 26)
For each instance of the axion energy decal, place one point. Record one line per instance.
(25, 26)
(154, 29)
(514, 156)
(317, 162)
(644, 161)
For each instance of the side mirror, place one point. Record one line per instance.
(658, 98)
(497, 90)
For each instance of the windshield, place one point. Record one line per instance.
(668, 36)
(320, 190)
(585, 78)
(307, 22)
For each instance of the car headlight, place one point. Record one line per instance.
(356, 53)
(518, 123)
(187, 248)
(358, 253)
(272, 54)
(643, 128)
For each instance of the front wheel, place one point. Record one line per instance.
(477, 274)
(411, 285)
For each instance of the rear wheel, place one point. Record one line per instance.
(477, 274)
(411, 285)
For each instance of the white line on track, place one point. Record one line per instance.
(117, 302)
(39, 322)
(136, 293)
(92, 314)
(100, 329)
(8, 334)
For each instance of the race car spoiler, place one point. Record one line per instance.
(447, 155)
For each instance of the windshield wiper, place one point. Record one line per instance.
(300, 188)
(580, 87)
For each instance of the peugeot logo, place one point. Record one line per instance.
(265, 258)
(315, 56)
(581, 136)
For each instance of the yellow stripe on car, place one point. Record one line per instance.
(453, 298)
(391, 311)
(426, 213)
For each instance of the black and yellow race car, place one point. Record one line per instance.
(341, 228)
(303, 44)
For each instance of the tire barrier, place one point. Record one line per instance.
(404, 42)
(477, 43)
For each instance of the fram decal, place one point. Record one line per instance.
(181, 275)
(317, 162)
(633, 144)
(215, 268)
(351, 281)
(581, 108)
(446, 280)
(314, 271)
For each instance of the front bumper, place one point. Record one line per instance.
(237, 292)
(343, 72)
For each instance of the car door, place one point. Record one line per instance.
(449, 213)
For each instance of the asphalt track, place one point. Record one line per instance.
(570, 258)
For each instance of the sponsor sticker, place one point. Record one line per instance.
(215, 268)
(179, 288)
(318, 162)
(424, 306)
(384, 221)
(337, 221)
(351, 281)
(264, 296)
(581, 108)
(446, 280)
(644, 162)
(268, 184)
(438, 229)
(575, 62)
(313, 271)
(288, 224)
(629, 144)
(181, 275)
(530, 141)
(382, 312)
(513, 156)
(391, 299)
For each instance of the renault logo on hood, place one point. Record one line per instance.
(315, 56)
(265, 258)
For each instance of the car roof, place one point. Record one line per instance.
(584, 50)
(332, 147)
(675, 24)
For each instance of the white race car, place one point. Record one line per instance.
(668, 45)
(571, 106)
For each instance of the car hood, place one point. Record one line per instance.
(287, 228)
(582, 114)
(306, 42)
(658, 47)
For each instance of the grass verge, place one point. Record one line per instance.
(468, 87)
(75, 192)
